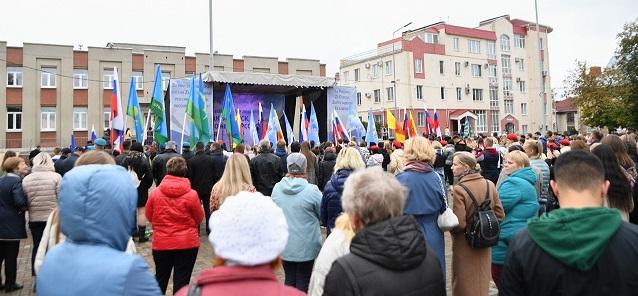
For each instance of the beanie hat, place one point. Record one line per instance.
(296, 163)
(512, 137)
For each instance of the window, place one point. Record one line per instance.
(541, 44)
(505, 43)
(47, 122)
(346, 76)
(375, 71)
(570, 117)
(138, 79)
(456, 43)
(377, 96)
(79, 118)
(48, 77)
(459, 94)
(476, 70)
(166, 78)
(495, 120)
(477, 94)
(491, 50)
(419, 92)
(107, 78)
(523, 108)
(519, 41)
(506, 66)
(441, 66)
(267, 70)
(491, 73)
(80, 79)
(481, 120)
(378, 119)
(356, 74)
(493, 97)
(388, 68)
(14, 119)
(431, 38)
(390, 91)
(14, 76)
(443, 93)
(521, 64)
(457, 68)
(418, 65)
(525, 129)
(420, 118)
(359, 98)
(474, 46)
(521, 86)
(509, 106)
(107, 117)
(507, 87)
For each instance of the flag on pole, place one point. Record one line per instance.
(194, 125)
(253, 130)
(371, 133)
(341, 129)
(412, 125)
(160, 132)
(280, 132)
(262, 125)
(313, 126)
(271, 131)
(289, 134)
(133, 109)
(204, 135)
(72, 145)
(117, 113)
(467, 127)
(227, 114)
(395, 125)
(356, 127)
(303, 135)
(93, 134)
(437, 125)
(406, 124)
(241, 128)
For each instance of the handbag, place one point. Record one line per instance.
(447, 220)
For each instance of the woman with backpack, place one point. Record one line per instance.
(470, 266)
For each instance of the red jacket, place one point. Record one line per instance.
(239, 281)
(175, 212)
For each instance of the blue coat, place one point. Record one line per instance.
(331, 200)
(97, 211)
(518, 196)
(425, 202)
(13, 204)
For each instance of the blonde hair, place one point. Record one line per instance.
(418, 149)
(95, 157)
(536, 146)
(350, 159)
(343, 223)
(236, 175)
(468, 160)
(43, 160)
(519, 157)
(11, 164)
(437, 145)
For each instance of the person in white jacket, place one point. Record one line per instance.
(336, 245)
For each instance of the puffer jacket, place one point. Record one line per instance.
(325, 169)
(331, 200)
(491, 165)
(265, 170)
(41, 187)
(541, 165)
(175, 212)
(13, 204)
(96, 217)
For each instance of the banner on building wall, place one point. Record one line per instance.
(343, 100)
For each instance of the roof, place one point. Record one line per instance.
(269, 79)
(530, 25)
(566, 105)
(469, 32)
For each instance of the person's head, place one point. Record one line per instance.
(305, 147)
(281, 144)
(578, 145)
(533, 149)
(170, 146)
(396, 145)
(295, 147)
(236, 175)
(57, 150)
(511, 138)
(549, 134)
(630, 144)
(65, 152)
(515, 160)
(619, 193)
(249, 229)
(587, 187)
(94, 157)
(127, 145)
(215, 146)
(100, 144)
(349, 159)
(15, 165)
(437, 145)
(186, 146)
(241, 148)
(137, 147)
(296, 164)
(371, 196)
(199, 147)
(595, 137)
(619, 149)
(464, 163)
(419, 149)
(515, 148)
(176, 166)
(264, 146)
(8, 154)
(43, 161)
(489, 142)
(387, 146)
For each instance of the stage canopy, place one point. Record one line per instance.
(278, 82)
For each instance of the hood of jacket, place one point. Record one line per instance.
(329, 156)
(589, 231)
(526, 173)
(173, 186)
(396, 243)
(292, 186)
(491, 151)
(281, 152)
(339, 179)
(97, 205)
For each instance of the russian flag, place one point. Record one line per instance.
(117, 113)
(341, 130)
(93, 134)
(437, 126)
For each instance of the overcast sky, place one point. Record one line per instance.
(326, 30)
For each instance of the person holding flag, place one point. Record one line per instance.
(133, 110)
(160, 132)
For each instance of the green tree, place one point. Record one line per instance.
(627, 62)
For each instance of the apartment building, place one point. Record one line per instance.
(53, 91)
(489, 75)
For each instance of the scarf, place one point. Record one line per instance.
(418, 166)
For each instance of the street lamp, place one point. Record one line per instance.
(394, 74)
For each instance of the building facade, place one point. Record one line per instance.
(489, 75)
(568, 117)
(53, 91)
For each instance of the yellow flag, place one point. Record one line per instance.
(392, 123)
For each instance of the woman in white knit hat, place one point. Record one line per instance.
(248, 233)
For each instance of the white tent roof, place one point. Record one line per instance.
(269, 79)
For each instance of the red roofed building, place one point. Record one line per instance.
(567, 117)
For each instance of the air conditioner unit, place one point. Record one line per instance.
(517, 60)
(367, 65)
(518, 79)
(368, 95)
(467, 64)
(486, 65)
(467, 89)
(545, 73)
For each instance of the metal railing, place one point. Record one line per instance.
(371, 54)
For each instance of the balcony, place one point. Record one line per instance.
(371, 55)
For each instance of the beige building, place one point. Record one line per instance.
(53, 91)
(489, 75)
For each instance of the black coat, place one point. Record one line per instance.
(490, 166)
(529, 270)
(13, 204)
(325, 169)
(386, 158)
(188, 155)
(142, 167)
(387, 258)
(66, 165)
(159, 165)
(265, 170)
(204, 171)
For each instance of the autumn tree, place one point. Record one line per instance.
(627, 62)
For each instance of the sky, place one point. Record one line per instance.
(327, 30)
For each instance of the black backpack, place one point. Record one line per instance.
(482, 229)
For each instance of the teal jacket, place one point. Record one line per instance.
(518, 196)
(301, 203)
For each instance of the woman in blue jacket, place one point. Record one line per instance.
(425, 192)
(518, 196)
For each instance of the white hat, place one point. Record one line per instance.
(248, 229)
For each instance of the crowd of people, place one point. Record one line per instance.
(536, 214)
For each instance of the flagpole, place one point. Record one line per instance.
(183, 126)
(148, 121)
(219, 126)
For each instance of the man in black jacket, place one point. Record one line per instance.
(159, 162)
(326, 167)
(203, 172)
(265, 169)
(68, 163)
(582, 248)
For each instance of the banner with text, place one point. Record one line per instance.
(342, 99)
(179, 95)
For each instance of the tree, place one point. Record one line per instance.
(627, 62)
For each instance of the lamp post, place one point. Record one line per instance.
(541, 66)
(394, 74)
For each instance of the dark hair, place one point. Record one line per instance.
(620, 150)
(597, 135)
(8, 154)
(241, 148)
(295, 147)
(579, 170)
(199, 146)
(619, 193)
(176, 166)
(578, 145)
(126, 144)
(515, 147)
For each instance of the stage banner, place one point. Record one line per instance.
(342, 99)
(179, 94)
